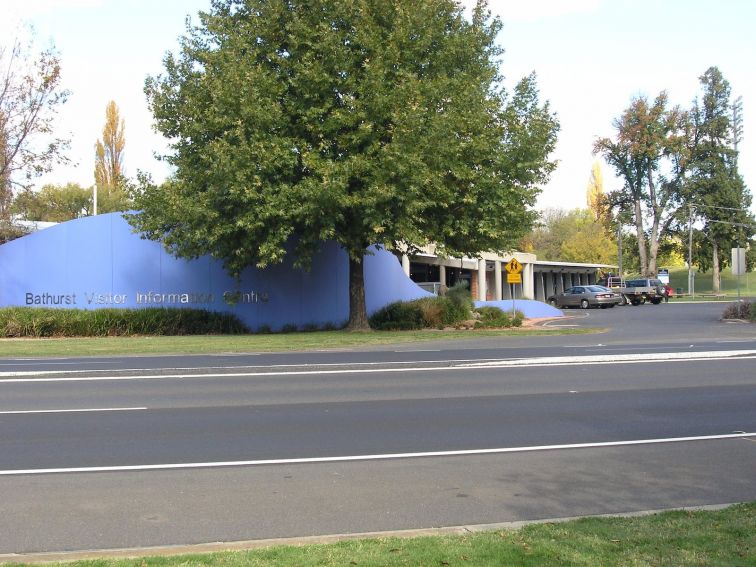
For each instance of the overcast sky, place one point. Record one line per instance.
(591, 58)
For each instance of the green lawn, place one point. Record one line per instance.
(214, 344)
(678, 278)
(725, 538)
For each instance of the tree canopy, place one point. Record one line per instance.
(715, 189)
(650, 153)
(30, 95)
(571, 236)
(359, 121)
(53, 203)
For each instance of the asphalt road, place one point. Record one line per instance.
(654, 413)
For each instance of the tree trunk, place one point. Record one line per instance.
(358, 320)
(642, 252)
(715, 268)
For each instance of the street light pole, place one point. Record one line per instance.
(690, 252)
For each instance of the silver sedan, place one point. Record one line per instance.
(586, 296)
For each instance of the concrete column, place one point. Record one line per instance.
(406, 264)
(482, 280)
(528, 281)
(442, 274)
(497, 280)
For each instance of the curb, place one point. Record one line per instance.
(216, 547)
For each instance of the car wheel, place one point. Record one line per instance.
(552, 302)
(584, 304)
(656, 301)
(635, 301)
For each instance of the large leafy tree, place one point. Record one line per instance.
(650, 153)
(30, 95)
(714, 188)
(572, 236)
(360, 121)
(53, 203)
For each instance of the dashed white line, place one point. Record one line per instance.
(383, 457)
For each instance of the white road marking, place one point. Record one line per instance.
(383, 457)
(245, 367)
(620, 358)
(21, 412)
(35, 377)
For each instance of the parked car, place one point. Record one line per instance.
(586, 296)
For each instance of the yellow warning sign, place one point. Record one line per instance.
(513, 267)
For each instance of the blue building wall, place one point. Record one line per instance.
(97, 262)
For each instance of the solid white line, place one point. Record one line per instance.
(11, 373)
(507, 363)
(384, 457)
(21, 412)
(621, 358)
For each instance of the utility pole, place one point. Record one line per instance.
(690, 252)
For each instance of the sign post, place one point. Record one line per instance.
(514, 276)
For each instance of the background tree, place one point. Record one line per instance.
(714, 186)
(30, 95)
(53, 203)
(650, 154)
(364, 122)
(595, 195)
(571, 236)
(109, 152)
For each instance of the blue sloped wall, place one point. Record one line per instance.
(97, 262)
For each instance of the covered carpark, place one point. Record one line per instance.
(487, 275)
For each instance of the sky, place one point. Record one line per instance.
(591, 58)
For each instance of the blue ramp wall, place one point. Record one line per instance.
(97, 262)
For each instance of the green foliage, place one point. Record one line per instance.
(495, 317)
(572, 236)
(53, 203)
(43, 322)
(714, 186)
(10, 231)
(360, 122)
(399, 316)
(428, 312)
(461, 301)
(650, 154)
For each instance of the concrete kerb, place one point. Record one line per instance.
(218, 547)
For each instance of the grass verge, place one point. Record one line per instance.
(679, 538)
(213, 344)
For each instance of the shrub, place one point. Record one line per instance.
(45, 322)
(461, 302)
(428, 312)
(433, 310)
(495, 317)
(399, 316)
(740, 310)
